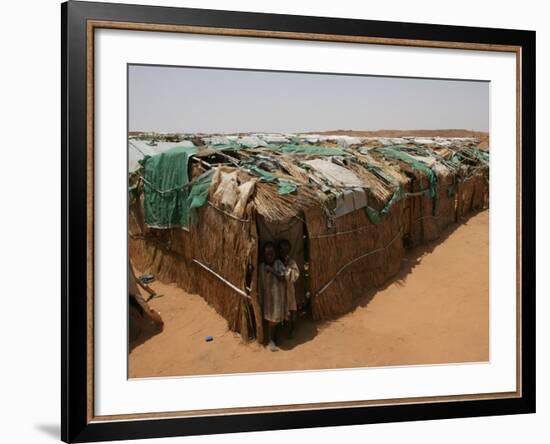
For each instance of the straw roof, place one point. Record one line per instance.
(322, 168)
(296, 172)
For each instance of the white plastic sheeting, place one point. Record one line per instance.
(273, 138)
(311, 138)
(216, 140)
(343, 141)
(439, 141)
(350, 200)
(335, 174)
(398, 140)
(423, 141)
(138, 149)
(385, 141)
(251, 141)
(346, 141)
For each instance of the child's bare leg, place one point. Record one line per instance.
(271, 336)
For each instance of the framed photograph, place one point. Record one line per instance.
(275, 221)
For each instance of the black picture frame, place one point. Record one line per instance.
(76, 425)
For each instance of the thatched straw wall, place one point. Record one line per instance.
(437, 214)
(473, 193)
(425, 218)
(352, 257)
(446, 208)
(480, 195)
(223, 244)
(356, 255)
(416, 207)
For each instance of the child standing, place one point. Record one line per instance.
(272, 291)
(291, 274)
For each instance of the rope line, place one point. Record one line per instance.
(227, 214)
(329, 283)
(225, 281)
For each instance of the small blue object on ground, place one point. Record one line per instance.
(147, 278)
(209, 338)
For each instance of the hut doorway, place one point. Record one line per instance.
(294, 231)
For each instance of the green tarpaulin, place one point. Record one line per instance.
(231, 146)
(198, 196)
(481, 155)
(375, 215)
(286, 187)
(310, 150)
(265, 176)
(166, 187)
(395, 153)
(283, 186)
(289, 148)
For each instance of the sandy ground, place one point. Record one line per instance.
(435, 311)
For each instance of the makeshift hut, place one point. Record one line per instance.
(200, 212)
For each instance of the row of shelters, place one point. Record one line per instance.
(200, 210)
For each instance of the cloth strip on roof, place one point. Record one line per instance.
(375, 215)
(284, 186)
(198, 195)
(395, 153)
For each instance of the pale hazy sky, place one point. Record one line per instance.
(178, 99)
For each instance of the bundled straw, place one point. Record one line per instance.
(413, 192)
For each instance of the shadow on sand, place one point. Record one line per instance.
(306, 328)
